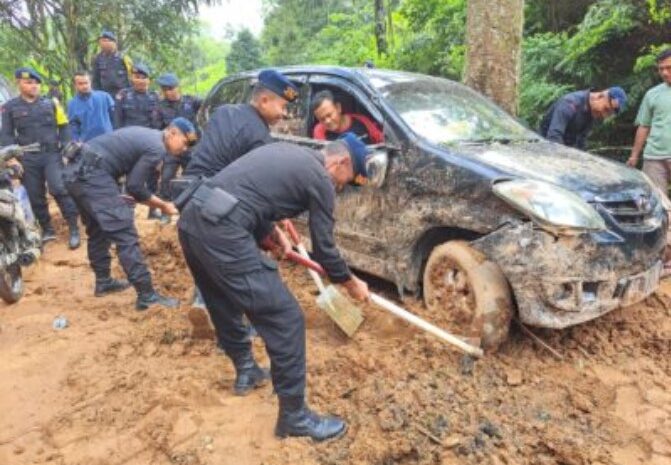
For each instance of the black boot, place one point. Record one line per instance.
(147, 298)
(48, 234)
(75, 239)
(110, 285)
(296, 419)
(248, 374)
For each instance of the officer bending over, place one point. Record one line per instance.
(234, 130)
(30, 118)
(133, 152)
(219, 229)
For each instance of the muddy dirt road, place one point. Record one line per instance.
(122, 387)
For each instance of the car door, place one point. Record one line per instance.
(359, 209)
(228, 91)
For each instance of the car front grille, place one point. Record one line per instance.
(632, 215)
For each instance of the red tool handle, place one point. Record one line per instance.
(269, 244)
(291, 230)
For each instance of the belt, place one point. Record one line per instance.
(215, 205)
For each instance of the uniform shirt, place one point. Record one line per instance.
(233, 130)
(134, 108)
(283, 180)
(186, 107)
(360, 125)
(111, 72)
(655, 113)
(569, 120)
(42, 121)
(134, 152)
(90, 115)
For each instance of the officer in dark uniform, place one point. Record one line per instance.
(111, 69)
(221, 224)
(31, 118)
(234, 130)
(172, 105)
(137, 105)
(92, 179)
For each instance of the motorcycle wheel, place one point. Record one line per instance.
(11, 284)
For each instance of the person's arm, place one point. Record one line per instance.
(561, 116)
(110, 108)
(75, 122)
(118, 110)
(95, 81)
(136, 179)
(62, 122)
(642, 133)
(319, 132)
(7, 136)
(373, 130)
(644, 122)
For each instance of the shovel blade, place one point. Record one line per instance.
(344, 313)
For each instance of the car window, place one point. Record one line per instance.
(227, 92)
(295, 124)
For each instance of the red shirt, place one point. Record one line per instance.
(360, 125)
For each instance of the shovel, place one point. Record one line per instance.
(400, 312)
(339, 308)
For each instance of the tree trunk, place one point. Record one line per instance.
(494, 49)
(380, 28)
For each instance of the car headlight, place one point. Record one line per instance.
(550, 206)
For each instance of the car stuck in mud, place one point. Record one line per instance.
(478, 214)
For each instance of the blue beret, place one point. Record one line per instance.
(141, 68)
(278, 84)
(358, 153)
(167, 80)
(27, 72)
(187, 128)
(107, 35)
(617, 93)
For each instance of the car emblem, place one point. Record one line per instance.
(643, 203)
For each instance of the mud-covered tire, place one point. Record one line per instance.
(460, 280)
(11, 284)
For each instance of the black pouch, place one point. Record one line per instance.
(183, 189)
(218, 205)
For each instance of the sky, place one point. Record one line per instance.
(234, 13)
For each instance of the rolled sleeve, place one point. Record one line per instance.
(322, 225)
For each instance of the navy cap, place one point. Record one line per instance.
(167, 80)
(618, 94)
(278, 84)
(107, 35)
(141, 68)
(358, 153)
(187, 128)
(27, 72)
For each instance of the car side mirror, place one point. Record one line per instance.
(377, 163)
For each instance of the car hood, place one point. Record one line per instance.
(588, 175)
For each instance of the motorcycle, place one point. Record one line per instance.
(20, 237)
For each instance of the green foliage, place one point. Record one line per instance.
(245, 53)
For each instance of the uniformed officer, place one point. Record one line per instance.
(111, 68)
(31, 118)
(172, 105)
(234, 130)
(219, 229)
(137, 105)
(133, 152)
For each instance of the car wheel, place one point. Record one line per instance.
(471, 291)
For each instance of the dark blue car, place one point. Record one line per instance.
(476, 213)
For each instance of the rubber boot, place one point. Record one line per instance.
(48, 234)
(75, 239)
(109, 285)
(248, 374)
(296, 419)
(147, 297)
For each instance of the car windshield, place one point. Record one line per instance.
(446, 112)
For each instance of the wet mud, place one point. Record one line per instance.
(122, 387)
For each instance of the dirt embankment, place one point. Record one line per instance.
(122, 387)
